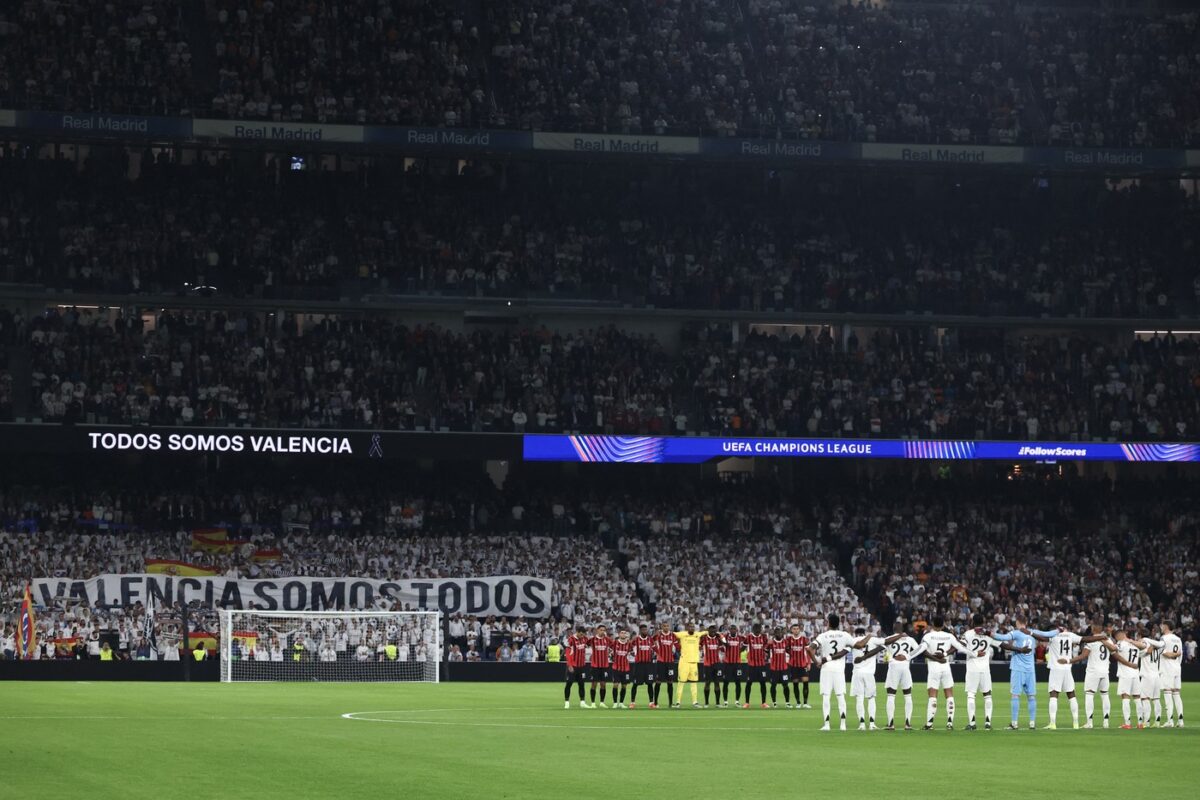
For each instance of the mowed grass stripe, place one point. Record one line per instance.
(500, 740)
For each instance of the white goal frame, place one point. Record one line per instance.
(372, 671)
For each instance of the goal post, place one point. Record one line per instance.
(330, 646)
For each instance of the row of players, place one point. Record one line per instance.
(1148, 668)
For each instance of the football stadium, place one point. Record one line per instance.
(706, 398)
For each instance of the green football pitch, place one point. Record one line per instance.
(134, 740)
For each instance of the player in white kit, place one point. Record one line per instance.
(901, 650)
(1129, 658)
(1062, 653)
(1149, 687)
(829, 650)
(940, 647)
(1170, 674)
(1096, 676)
(862, 678)
(979, 671)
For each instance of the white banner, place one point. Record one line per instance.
(615, 143)
(8, 119)
(507, 595)
(275, 131)
(944, 153)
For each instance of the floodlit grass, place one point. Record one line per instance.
(134, 740)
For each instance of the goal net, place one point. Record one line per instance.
(330, 645)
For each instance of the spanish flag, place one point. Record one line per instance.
(162, 566)
(214, 540)
(26, 627)
(209, 640)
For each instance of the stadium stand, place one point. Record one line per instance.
(681, 238)
(997, 74)
(743, 581)
(1073, 550)
(196, 368)
(868, 551)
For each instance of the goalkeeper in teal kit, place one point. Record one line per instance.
(1022, 681)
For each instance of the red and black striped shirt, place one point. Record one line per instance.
(798, 647)
(643, 649)
(733, 649)
(664, 647)
(577, 651)
(778, 650)
(756, 650)
(601, 651)
(622, 652)
(712, 650)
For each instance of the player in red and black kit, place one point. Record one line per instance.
(622, 650)
(801, 660)
(577, 645)
(780, 657)
(601, 659)
(711, 650)
(643, 663)
(731, 667)
(666, 653)
(756, 664)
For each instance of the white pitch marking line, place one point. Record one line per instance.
(157, 719)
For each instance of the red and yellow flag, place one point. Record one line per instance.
(26, 627)
(166, 567)
(214, 540)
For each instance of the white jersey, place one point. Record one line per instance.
(867, 666)
(1151, 657)
(1130, 653)
(975, 642)
(942, 643)
(1098, 660)
(1172, 644)
(832, 647)
(904, 646)
(1063, 646)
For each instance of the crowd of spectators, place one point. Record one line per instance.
(972, 72)
(735, 582)
(965, 384)
(199, 368)
(639, 67)
(853, 71)
(100, 57)
(1059, 550)
(685, 239)
(1059, 553)
(356, 61)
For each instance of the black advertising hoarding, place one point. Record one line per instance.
(305, 443)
